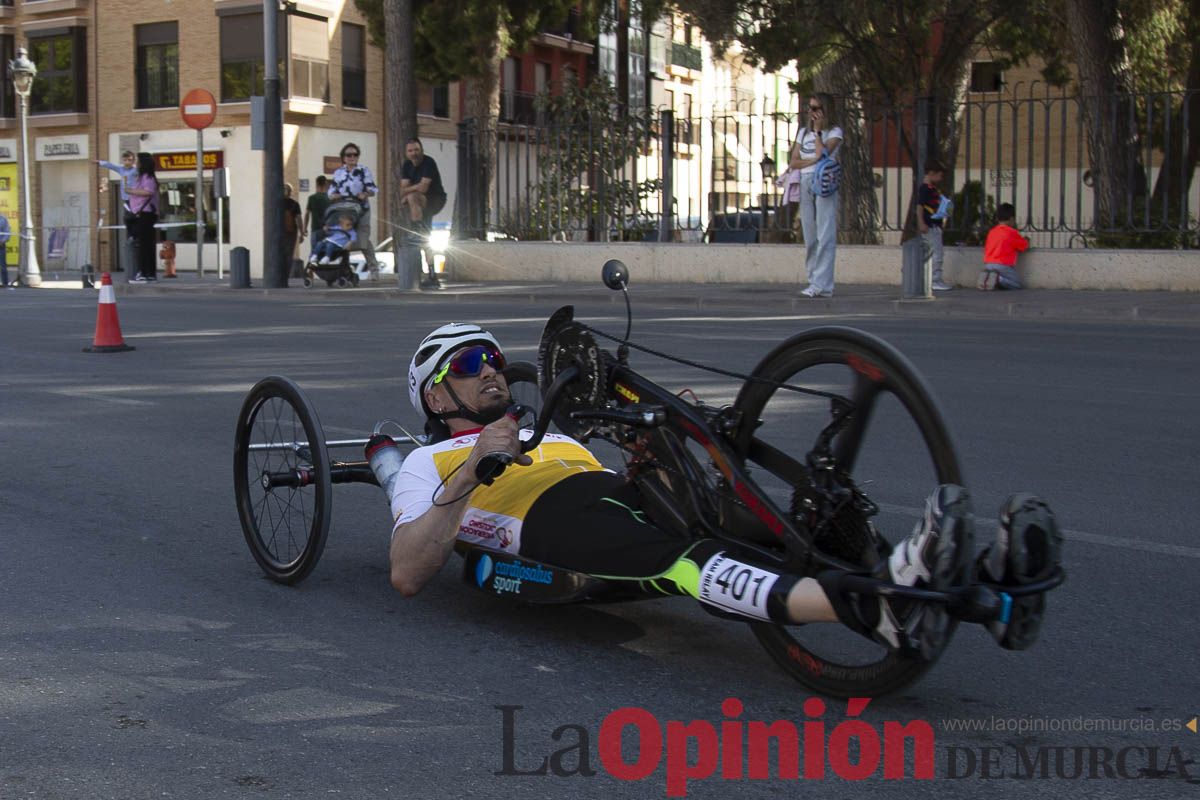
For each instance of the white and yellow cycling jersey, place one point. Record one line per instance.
(494, 513)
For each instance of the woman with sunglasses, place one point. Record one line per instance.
(559, 506)
(818, 215)
(353, 180)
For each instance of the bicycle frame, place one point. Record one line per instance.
(686, 422)
(977, 602)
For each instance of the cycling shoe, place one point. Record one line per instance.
(936, 555)
(1028, 548)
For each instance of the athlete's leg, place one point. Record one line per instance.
(593, 523)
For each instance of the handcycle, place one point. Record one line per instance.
(723, 472)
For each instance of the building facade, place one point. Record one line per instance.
(110, 78)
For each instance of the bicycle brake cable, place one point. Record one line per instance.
(837, 398)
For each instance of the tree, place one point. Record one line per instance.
(1138, 75)
(467, 40)
(582, 156)
(899, 52)
(401, 86)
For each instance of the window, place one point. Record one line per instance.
(8, 98)
(242, 69)
(61, 84)
(310, 57)
(684, 119)
(157, 64)
(986, 76)
(177, 203)
(510, 84)
(354, 66)
(433, 100)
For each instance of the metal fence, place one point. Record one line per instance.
(657, 176)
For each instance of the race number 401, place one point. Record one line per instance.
(737, 587)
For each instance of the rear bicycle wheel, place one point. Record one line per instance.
(891, 452)
(281, 478)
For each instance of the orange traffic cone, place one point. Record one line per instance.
(108, 337)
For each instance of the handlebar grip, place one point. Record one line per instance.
(492, 465)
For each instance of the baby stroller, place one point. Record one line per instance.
(337, 274)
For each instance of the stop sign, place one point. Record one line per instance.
(199, 109)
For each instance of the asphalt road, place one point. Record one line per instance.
(144, 655)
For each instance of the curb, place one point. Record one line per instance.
(853, 300)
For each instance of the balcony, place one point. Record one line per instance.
(565, 36)
(686, 56)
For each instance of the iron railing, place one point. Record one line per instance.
(1029, 148)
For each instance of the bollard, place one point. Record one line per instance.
(408, 266)
(239, 268)
(127, 259)
(915, 273)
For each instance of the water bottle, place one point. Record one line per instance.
(385, 459)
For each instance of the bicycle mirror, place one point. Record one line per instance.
(615, 274)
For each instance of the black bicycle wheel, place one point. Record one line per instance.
(286, 524)
(893, 451)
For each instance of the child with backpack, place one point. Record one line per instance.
(1000, 252)
(932, 209)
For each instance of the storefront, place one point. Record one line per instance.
(174, 153)
(313, 151)
(10, 199)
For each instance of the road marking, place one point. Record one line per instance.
(988, 525)
(1133, 544)
(82, 395)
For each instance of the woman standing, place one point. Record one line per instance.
(143, 202)
(818, 215)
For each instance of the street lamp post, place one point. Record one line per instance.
(767, 165)
(23, 72)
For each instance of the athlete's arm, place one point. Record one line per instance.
(421, 548)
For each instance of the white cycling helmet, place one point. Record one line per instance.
(432, 353)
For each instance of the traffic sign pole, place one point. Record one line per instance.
(199, 203)
(199, 109)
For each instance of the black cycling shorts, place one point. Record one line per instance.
(593, 523)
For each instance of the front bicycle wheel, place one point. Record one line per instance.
(889, 453)
(281, 478)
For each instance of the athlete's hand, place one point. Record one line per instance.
(503, 436)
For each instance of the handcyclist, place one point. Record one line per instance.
(559, 506)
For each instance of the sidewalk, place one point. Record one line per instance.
(848, 300)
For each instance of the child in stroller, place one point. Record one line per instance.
(330, 260)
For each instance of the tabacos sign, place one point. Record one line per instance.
(180, 162)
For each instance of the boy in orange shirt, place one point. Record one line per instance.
(1000, 252)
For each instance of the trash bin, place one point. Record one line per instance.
(239, 268)
(915, 270)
